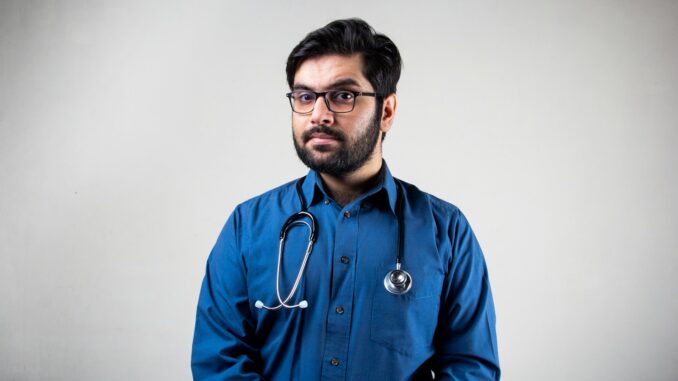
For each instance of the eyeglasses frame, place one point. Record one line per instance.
(322, 94)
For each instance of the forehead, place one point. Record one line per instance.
(319, 73)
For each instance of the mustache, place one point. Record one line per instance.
(322, 129)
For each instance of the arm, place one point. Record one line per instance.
(466, 340)
(223, 344)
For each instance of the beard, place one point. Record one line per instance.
(349, 156)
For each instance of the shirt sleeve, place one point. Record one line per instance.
(223, 343)
(466, 340)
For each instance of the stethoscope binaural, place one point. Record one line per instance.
(396, 281)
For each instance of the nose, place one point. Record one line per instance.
(321, 114)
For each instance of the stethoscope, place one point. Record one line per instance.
(396, 281)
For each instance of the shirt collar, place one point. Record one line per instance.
(314, 190)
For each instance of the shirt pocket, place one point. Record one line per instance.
(407, 323)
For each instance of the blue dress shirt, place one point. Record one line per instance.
(353, 329)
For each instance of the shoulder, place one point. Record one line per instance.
(447, 221)
(262, 206)
(440, 209)
(273, 198)
(250, 215)
(453, 233)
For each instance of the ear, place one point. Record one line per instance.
(388, 110)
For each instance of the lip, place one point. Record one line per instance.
(320, 138)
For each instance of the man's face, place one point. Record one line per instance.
(335, 143)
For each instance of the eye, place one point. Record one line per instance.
(303, 96)
(342, 96)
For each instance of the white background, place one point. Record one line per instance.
(130, 130)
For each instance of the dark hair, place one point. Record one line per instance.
(381, 59)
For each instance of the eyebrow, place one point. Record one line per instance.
(346, 82)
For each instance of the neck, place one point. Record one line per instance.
(347, 188)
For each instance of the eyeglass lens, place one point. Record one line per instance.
(303, 101)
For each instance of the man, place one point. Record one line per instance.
(374, 279)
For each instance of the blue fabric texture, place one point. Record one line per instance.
(353, 329)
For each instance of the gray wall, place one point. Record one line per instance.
(130, 130)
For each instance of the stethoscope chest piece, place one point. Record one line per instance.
(398, 282)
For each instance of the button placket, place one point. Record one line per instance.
(339, 317)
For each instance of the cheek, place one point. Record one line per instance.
(361, 124)
(297, 129)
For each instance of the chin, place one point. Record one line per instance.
(321, 157)
(321, 148)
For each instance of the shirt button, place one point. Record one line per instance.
(344, 259)
(327, 202)
(339, 310)
(334, 361)
(347, 214)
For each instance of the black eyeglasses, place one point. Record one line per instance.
(339, 101)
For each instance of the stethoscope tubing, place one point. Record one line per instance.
(403, 279)
(300, 273)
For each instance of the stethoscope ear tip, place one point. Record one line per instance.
(303, 304)
(259, 304)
